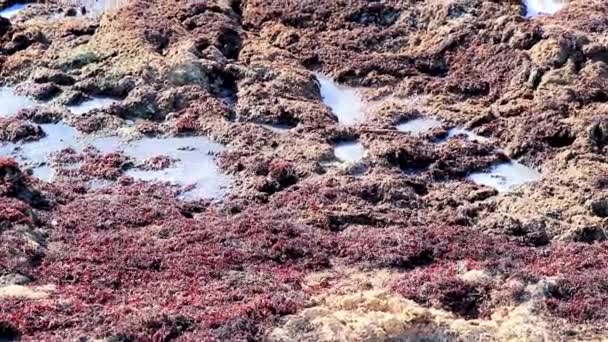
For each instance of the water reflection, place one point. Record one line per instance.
(346, 103)
(540, 7)
(504, 177)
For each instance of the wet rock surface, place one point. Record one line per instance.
(390, 239)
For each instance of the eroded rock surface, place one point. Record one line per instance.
(98, 255)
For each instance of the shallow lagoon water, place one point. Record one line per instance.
(194, 167)
(349, 151)
(346, 103)
(11, 103)
(539, 7)
(505, 176)
(11, 11)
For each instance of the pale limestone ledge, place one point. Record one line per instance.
(26, 292)
(359, 307)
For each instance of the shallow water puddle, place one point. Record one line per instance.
(349, 151)
(502, 177)
(461, 131)
(11, 11)
(11, 103)
(505, 176)
(468, 134)
(195, 164)
(539, 7)
(36, 154)
(94, 103)
(193, 158)
(419, 125)
(346, 103)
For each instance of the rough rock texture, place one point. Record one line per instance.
(21, 225)
(398, 246)
(370, 314)
(16, 130)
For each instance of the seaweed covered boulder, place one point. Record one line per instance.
(304, 247)
(23, 242)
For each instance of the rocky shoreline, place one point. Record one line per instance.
(302, 243)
